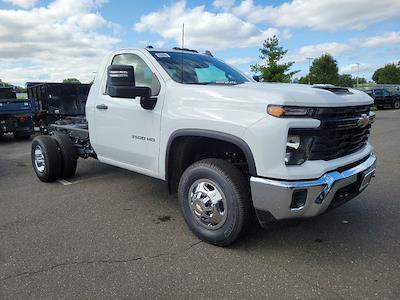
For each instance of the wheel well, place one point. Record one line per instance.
(185, 150)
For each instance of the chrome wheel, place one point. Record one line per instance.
(208, 204)
(40, 164)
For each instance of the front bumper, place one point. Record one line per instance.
(275, 197)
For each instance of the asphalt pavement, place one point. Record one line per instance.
(111, 233)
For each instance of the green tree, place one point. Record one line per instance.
(361, 80)
(71, 80)
(304, 79)
(273, 70)
(390, 73)
(20, 89)
(324, 69)
(346, 80)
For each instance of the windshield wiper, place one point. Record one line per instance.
(199, 83)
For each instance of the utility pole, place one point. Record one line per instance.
(358, 72)
(309, 67)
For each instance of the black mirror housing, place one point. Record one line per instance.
(120, 75)
(129, 91)
(148, 103)
(256, 78)
(121, 84)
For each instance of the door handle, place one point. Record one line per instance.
(101, 106)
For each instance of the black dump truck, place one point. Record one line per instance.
(383, 98)
(16, 115)
(58, 102)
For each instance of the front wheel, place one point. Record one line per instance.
(396, 104)
(215, 201)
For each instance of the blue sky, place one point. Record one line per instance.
(51, 40)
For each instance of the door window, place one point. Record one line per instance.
(143, 74)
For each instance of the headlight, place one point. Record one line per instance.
(289, 111)
(297, 149)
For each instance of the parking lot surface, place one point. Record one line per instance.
(111, 233)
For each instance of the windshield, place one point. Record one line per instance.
(191, 68)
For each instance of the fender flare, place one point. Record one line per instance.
(226, 137)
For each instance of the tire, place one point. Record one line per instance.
(216, 176)
(46, 158)
(68, 154)
(396, 104)
(21, 136)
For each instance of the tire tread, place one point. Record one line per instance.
(52, 157)
(68, 154)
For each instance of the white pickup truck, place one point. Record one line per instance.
(234, 149)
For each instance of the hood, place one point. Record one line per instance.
(281, 94)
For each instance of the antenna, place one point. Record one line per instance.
(183, 35)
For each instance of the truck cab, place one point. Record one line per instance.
(15, 114)
(232, 148)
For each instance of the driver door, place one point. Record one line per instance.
(126, 134)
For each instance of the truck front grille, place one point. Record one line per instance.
(341, 132)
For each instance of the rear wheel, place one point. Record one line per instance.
(396, 104)
(46, 158)
(68, 153)
(215, 201)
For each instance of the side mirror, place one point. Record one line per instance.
(256, 78)
(121, 84)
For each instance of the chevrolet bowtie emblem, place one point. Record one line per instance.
(363, 121)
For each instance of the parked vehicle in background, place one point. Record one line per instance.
(55, 101)
(15, 114)
(234, 149)
(383, 98)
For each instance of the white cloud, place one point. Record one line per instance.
(354, 68)
(159, 44)
(237, 61)
(22, 3)
(379, 40)
(321, 14)
(57, 41)
(224, 4)
(337, 49)
(203, 29)
(317, 50)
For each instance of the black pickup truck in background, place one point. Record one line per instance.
(55, 101)
(15, 114)
(384, 98)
